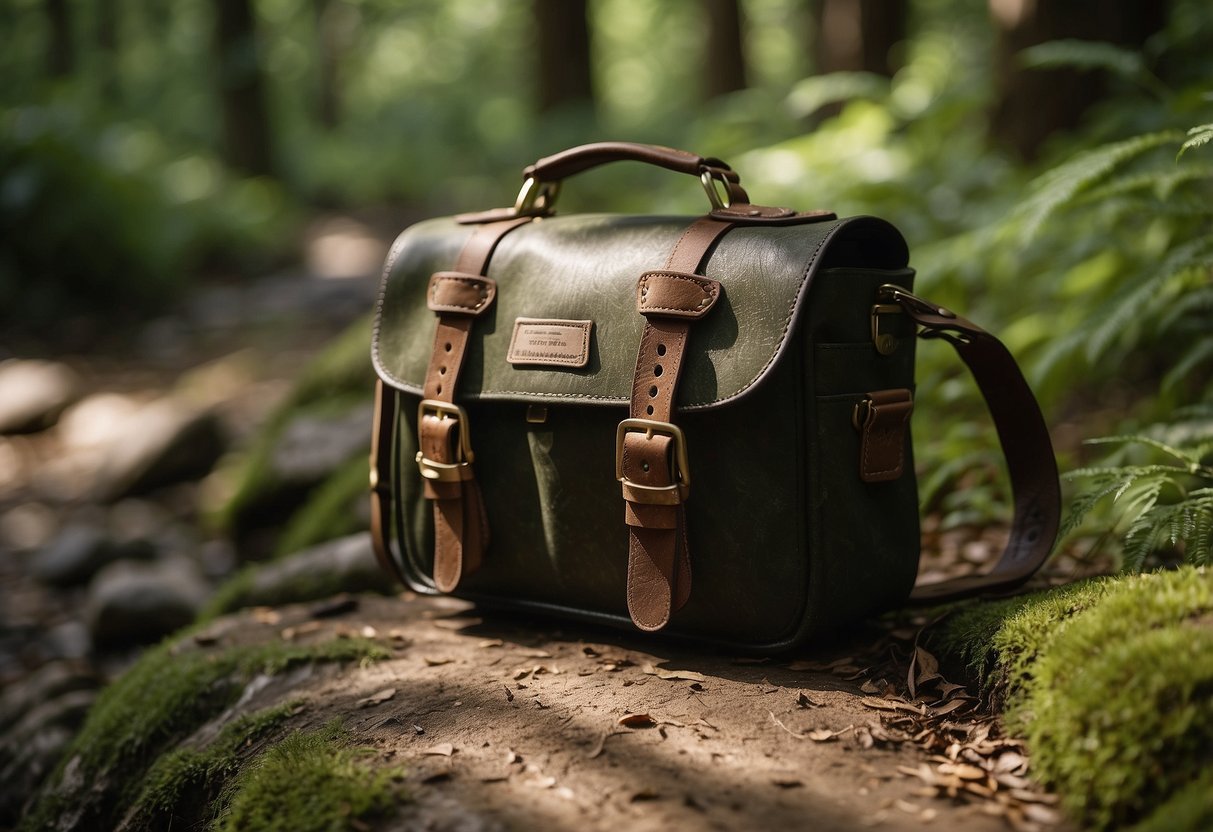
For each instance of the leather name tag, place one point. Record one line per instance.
(551, 342)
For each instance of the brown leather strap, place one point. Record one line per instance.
(1025, 443)
(583, 157)
(461, 530)
(651, 451)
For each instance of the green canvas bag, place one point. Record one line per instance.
(698, 425)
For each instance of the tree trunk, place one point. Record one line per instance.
(564, 54)
(1032, 104)
(724, 66)
(107, 48)
(858, 35)
(333, 25)
(60, 50)
(246, 127)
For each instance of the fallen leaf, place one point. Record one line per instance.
(637, 721)
(292, 633)
(542, 783)
(266, 615)
(803, 700)
(535, 654)
(950, 706)
(674, 675)
(490, 643)
(601, 744)
(376, 698)
(509, 694)
(433, 661)
(825, 734)
(417, 729)
(443, 750)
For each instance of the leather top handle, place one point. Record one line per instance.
(543, 178)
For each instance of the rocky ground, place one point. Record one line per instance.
(112, 469)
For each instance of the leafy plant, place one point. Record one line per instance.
(1163, 498)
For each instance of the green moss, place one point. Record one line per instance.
(1118, 710)
(168, 694)
(233, 594)
(195, 776)
(1189, 810)
(1111, 682)
(329, 511)
(309, 781)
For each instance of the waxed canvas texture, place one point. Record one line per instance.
(785, 538)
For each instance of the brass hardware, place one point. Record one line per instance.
(710, 177)
(896, 294)
(655, 494)
(374, 476)
(536, 197)
(536, 414)
(859, 416)
(886, 342)
(461, 468)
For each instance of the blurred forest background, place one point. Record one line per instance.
(1044, 159)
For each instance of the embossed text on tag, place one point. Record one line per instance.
(553, 342)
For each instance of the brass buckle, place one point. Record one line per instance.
(886, 342)
(536, 197)
(666, 495)
(461, 468)
(711, 178)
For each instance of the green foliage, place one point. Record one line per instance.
(171, 691)
(309, 782)
(1197, 136)
(1165, 506)
(102, 214)
(1111, 682)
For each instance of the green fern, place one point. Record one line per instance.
(1160, 505)
(1059, 187)
(1200, 135)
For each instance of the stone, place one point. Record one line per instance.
(73, 556)
(313, 446)
(131, 602)
(30, 749)
(165, 442)
(33, 394)
(347, 564)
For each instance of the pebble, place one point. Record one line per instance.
(33, 394)
(131, 602)
(347, 564)
(162, 443)
(313, 446)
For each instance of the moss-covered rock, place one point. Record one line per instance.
(344, 565)
(309, 781)
(168, 694)
(337, 507)
(1111, 682)
(336, 388)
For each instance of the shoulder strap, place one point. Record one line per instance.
(1024, 439)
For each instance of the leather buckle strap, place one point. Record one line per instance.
(461, 452)
(661, 495)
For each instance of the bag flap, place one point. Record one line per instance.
(580, 268)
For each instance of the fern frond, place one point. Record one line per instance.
(811, 94)
(1139, 439)
(1123, 471)
(1083, 54)
(1055, 188)
(1197, 301)
(1124, 312)
(1196, 355)
(1160, 183)
(1200, 135)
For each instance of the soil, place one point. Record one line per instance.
(506, 723)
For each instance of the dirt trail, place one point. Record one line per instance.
(509, 724)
